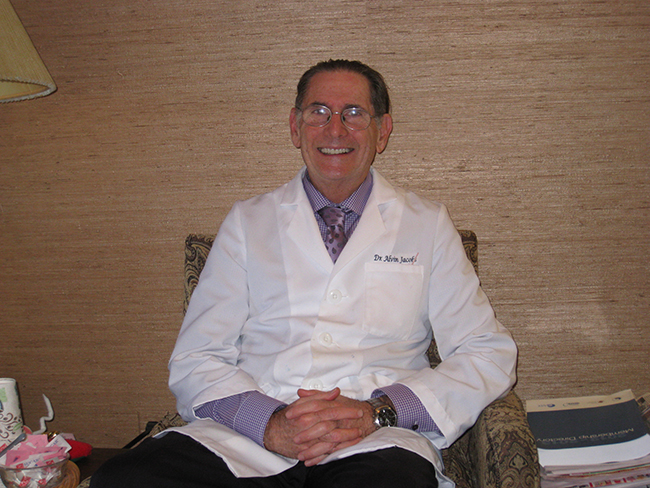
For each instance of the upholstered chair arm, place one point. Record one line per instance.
(502, 448)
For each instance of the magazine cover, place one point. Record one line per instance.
(588, 430)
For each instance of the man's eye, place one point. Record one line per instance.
(319, 111)
(354, 112)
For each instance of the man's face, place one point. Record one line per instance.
(338, 159)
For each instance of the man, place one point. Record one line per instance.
(301, 360)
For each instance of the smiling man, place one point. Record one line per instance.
(302, 361)
(339, 131)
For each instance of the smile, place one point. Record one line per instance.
(332, 152)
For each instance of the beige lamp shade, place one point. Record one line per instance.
(22, 73)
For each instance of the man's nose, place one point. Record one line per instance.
(336, 126)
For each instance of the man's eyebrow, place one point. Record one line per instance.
(347, 106)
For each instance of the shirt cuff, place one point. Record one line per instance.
(411, 414)
(246, 413)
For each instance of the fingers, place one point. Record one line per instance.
(315, 403)
(322, 395)
(315, 425)
(343, 445)
(318, 412)
(319, 451)
(309, 400)
(327, 431)
(315, 461)
(343, 436)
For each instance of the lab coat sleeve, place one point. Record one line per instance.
(478, 354)
(203, 363)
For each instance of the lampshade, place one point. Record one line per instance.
(22, 73)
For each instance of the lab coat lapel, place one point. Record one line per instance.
(301, 227)
(372, 224)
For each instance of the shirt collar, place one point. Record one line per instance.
(355, 202)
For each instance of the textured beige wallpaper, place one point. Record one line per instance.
(529, 119)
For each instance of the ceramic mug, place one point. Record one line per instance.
(11, 419)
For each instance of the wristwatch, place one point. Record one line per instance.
(384, 415)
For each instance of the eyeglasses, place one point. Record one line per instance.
(354, 118)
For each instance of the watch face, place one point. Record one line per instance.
(386, 417)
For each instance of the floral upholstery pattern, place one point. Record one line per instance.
(197, 248)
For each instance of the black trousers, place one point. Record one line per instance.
(176, 460)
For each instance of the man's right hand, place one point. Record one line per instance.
(317, 432)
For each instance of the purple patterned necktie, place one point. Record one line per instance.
(335, 237)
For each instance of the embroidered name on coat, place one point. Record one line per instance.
(390, 258)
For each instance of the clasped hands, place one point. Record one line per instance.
(317, 424)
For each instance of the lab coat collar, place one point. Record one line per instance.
(303, 229)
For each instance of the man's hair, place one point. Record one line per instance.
(378, 89)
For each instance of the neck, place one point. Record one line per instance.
(335, 192)
(337, 195)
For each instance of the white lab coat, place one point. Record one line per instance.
(272, 313)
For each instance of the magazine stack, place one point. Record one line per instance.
(592, 442)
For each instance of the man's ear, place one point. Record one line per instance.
(385, 130)
(294, 125)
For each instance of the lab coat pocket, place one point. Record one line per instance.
(393, 293)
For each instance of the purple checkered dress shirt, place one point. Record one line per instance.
(249, 412)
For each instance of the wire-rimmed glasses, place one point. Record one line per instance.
(354, 118)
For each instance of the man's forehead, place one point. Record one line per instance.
(346, 87)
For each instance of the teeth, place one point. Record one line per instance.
(327, 150)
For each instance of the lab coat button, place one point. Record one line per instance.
(326, 339)
(335, 296)
(315, 385)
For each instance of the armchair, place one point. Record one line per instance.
(497, 452)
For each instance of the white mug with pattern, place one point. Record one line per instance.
(11, 418)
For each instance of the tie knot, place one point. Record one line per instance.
(332, 216)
